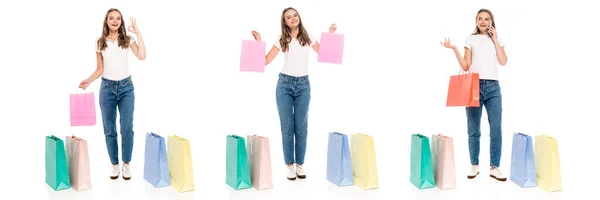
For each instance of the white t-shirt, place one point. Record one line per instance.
(116, 62)
(296, 58)
(483, 56)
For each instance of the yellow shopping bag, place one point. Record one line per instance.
(364, 165)
(179, 156)
(547, 163)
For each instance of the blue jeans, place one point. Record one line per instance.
(293, 99)
(490, 96)
(113, 95)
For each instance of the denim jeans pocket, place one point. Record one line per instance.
(104, 84)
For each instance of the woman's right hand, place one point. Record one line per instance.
(448, 44)
(256, 35)
(84, 84)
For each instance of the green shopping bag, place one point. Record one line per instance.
(421, 166)
(238, 170)
(57, 172)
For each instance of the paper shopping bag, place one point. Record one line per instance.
(253, 57)
(364, 162)
(463, 90)
(547, 162)
(78, 162)
(522, 164)
(331, 49)
(339, 163)
(237, 168)
(179, 157)
(57, 171)
(421, 166)
(259, 160)
(83, 109)
(444, 169)
(156, 167)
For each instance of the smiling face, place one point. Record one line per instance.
(114, 20)
(291, 18)
(484, 21)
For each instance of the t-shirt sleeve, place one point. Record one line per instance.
(468, 42)
(96, 45)
(132, 39)
(277, 44)
(312, 38)
(501, 41)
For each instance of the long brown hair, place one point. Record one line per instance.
(123, 37)
(476, 31)
(286, 32)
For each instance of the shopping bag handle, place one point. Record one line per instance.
(251, 147)
(72, 145)
(253, 142)
(435, 147)
(251, 38)
(439, 138)
(461, 71)
(79, 89)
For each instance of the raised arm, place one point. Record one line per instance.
(272, 53)
(465, 63)
(316, 46)
(500, 53)
(139, 49)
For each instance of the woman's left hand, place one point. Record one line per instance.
(332, 28)
(133, 27)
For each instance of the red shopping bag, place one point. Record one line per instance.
(463, 90)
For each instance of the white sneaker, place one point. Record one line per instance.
(114, 171)
(291, 173)
(300, 172)
(497, 174)
(473, 172)
(126, 172)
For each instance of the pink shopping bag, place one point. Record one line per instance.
(78, 162)
(253, 56)
(83, 109)
(442, 151)
(259, 158)
(331, 49)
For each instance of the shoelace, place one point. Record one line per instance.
(291, 169)
(126, 169)
(496, 170)
(115, 169)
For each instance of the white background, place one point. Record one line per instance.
(392, 83)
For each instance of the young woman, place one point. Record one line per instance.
(483, 51)
(293, 87)
(116, 90)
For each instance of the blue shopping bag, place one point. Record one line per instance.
(339, 165)
(522, 166)
(156, 168)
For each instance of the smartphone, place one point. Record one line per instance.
(490, 34)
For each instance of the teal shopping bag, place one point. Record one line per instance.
(57, 172)
(238, 170)
(421, 166)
